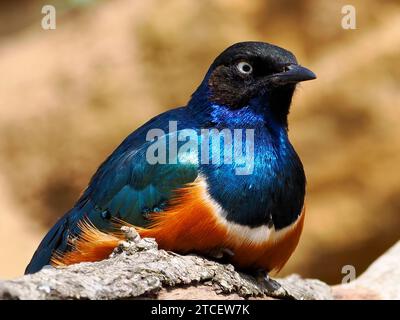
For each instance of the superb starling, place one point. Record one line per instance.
(218, 175)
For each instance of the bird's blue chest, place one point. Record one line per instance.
(272, 188)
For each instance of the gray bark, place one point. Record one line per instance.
(137, 269)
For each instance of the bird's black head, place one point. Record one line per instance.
(248, 70)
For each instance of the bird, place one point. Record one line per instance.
(196, 202)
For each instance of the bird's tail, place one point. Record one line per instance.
(71, 241)
(55, 239)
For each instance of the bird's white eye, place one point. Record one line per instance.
(244, 67)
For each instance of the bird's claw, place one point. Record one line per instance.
(269, 283)
(220, 253)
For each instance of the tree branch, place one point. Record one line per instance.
(138, 269)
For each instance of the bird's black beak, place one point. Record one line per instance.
(293, 73)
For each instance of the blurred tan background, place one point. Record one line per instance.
(69, 96)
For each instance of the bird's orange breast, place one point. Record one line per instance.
(193, 223)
